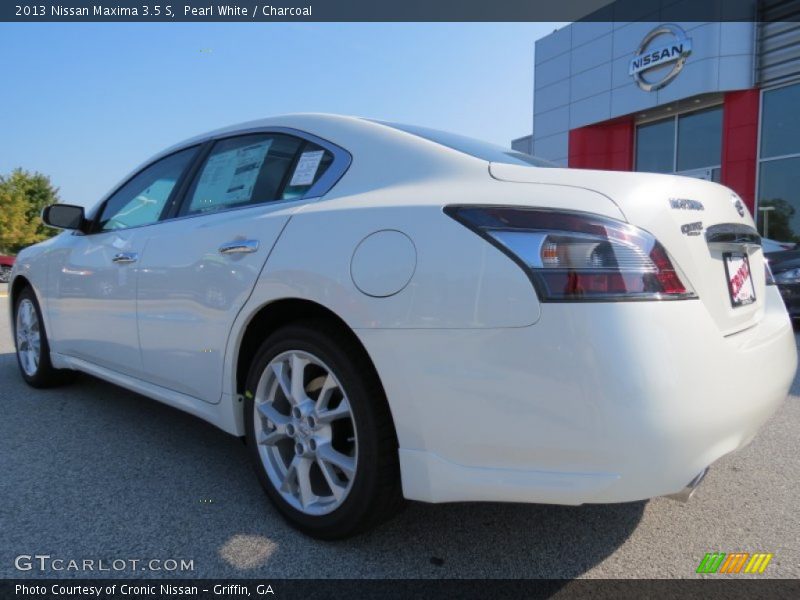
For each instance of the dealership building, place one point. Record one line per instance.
(715, 100)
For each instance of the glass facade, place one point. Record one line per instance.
(689, 143)
(700, 139)
(778, 210)
(655, 147)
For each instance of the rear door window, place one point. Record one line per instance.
(310, 165)
(254, 169)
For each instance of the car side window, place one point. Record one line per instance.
(253, 169)
(143, 198)
(308, 168)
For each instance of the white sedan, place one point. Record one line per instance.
(389, 312)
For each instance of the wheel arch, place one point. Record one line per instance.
(19, 283)
(278, 313)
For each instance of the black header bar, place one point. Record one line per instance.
(394, 10)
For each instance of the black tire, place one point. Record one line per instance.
(375, 493)
(5, 273)
(45, 375)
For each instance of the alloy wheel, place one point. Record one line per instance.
(28, 337)
(306, 433)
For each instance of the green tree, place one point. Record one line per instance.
(23, 195)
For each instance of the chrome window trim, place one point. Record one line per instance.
(266, 205)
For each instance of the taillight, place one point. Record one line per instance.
(577, 256)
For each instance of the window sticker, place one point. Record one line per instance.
(229, 177)
(306, 168)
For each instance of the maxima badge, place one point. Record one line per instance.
(686, 204)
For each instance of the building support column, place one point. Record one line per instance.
(740, 144)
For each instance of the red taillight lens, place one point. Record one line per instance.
(667, 275)
(574, 256)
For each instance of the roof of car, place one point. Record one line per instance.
(320, 124)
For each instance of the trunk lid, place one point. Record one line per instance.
(699, 223)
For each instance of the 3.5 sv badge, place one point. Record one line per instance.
(695, 228)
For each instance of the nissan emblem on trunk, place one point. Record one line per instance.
(664, 46)
(737, 203)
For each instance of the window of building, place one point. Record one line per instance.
(689, 144)
(778, 210)
(780, 129)
(699, 140)
(655, 147)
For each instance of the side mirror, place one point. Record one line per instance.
(64, 216)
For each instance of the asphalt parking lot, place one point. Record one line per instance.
(91, 471)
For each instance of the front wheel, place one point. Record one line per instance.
(320, 433)
(33, 350)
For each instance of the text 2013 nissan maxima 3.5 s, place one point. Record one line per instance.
(389, 312)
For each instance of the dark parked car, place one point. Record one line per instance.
(786, 270)
(6, 263)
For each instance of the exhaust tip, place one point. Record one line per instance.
(686, 493)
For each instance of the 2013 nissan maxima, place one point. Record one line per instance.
(389, 312)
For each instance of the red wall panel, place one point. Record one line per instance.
(606, 145)
(740, 143)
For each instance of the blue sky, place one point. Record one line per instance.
(86, 103)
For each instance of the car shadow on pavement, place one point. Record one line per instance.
(97, 471)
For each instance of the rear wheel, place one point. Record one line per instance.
(33, 351)
(320, 433)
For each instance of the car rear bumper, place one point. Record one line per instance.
(605, 402)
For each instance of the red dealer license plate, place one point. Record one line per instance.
(740, 280)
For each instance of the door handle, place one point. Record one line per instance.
(124, 258)
(239, 247)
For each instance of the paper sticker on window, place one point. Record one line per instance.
(306, 168)
(229, 177)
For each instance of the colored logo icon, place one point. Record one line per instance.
(735, 562)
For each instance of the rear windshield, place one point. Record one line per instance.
(473, 147)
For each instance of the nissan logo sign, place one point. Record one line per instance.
(672, 48)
